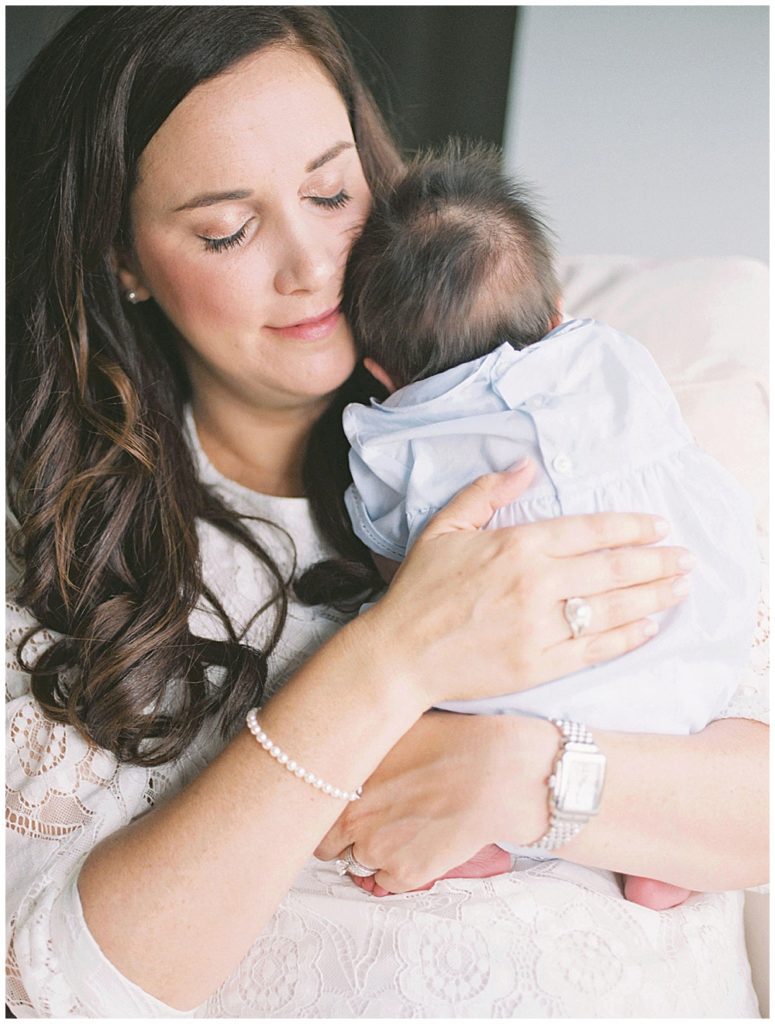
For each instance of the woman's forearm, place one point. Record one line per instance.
(175, 899)
(691, 810)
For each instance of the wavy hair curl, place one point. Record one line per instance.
(101, 480)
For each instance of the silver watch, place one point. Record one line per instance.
(575, 785)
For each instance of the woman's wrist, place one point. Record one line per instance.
(389, 674)
(351, 679)
(393, 658)
(647, 825)
(526, 751)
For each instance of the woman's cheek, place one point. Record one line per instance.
(195, 294)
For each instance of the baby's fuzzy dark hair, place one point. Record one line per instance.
(452, 261)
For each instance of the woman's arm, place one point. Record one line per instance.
(175, 898)
(691, 810)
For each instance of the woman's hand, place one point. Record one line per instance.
(477, 613)
(454, 783)
(489, 861)
(451, 785)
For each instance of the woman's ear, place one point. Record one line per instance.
(382, 375)
(129, 278)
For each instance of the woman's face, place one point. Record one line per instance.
(249, 197)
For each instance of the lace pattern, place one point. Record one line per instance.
(550, 939)
(553, 940)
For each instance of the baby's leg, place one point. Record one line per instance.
(648, 892)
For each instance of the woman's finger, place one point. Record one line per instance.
(578, 535)
(631, 604)
(386, 884)
(605, 571)
(475, 505)
(594, 648)
(337, 838)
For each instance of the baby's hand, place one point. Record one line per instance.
(490, 860)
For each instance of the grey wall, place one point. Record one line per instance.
(27, 28)
(645, 129)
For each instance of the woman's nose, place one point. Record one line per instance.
(306, 264)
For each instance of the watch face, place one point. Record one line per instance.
(579, 783)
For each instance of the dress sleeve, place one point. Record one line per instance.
(63, 795)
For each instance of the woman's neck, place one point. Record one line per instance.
(261, 449)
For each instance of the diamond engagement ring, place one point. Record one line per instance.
(348, 864)
(578, 615)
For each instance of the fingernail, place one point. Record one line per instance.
(687, 561)
(661, 527)
(519, 466)
(651, 628)
(681, 587)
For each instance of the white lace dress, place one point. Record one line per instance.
(551, 939)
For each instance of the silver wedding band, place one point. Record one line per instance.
(578, 615)
(349, 864)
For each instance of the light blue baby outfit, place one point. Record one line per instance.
(590, 407)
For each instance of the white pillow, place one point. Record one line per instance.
(705, 321)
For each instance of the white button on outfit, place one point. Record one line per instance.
(562, 463)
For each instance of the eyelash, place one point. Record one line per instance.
(337, 202)
(220, 244)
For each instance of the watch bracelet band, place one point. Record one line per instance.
(560, 830)
(573, 732)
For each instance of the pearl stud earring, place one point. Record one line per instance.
(131, 296)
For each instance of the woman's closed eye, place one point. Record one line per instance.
(337, 202)
(228, 241)
(221, 244)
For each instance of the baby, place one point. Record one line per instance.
(455, 306)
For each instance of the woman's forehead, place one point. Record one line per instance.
(277, 109)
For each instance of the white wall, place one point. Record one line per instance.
(645, 129)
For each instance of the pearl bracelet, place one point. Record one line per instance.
(296, 769)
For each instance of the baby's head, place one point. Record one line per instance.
(451, 263)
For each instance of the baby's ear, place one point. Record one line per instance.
(559, 316)
(381, 375)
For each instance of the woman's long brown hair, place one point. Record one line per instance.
(102, 481)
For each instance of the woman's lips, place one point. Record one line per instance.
(313, 329)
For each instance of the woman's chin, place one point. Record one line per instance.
(316, 383)
(321, 373)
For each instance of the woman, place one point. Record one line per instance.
(185, 188)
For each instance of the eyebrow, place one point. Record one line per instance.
(330, 154)
(211, 198)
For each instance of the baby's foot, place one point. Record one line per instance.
(648, 892)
